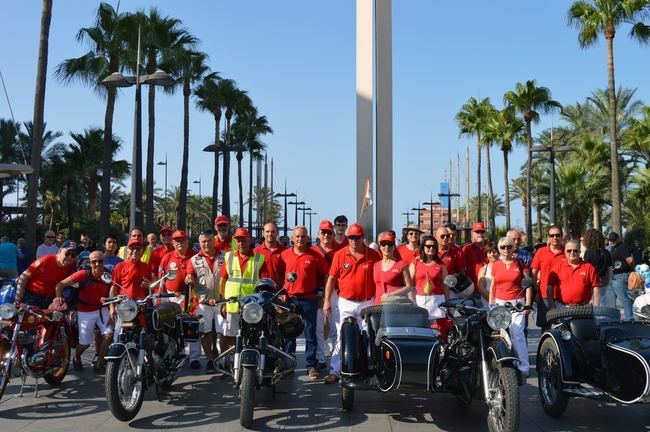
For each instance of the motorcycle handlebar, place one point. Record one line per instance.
(163, 295)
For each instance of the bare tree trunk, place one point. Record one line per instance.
(215, 179)
(617, 224)
(240, 156)
(539, 211)
(507, 188)
(478, 177)
(250, 190)
(225, 193)
(597, 222)
(107, 158)
(150, 221)
(529, 171)
(182, 199)
(488, 165)
(37, 133)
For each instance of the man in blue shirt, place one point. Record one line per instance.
(9, 255)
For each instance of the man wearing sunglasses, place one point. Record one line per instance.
(158, 253)
(576, 282)
(474, 254)
(48, 247)
(352, 273)
(37, 284)
(91, 311)
(450, 254)
(545, 259)
(325, 327)
(137, 233)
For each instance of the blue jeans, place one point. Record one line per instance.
(309, 311)
(619, 286)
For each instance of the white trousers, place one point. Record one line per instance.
(517, 326)
(346, 308)
(322, 345)
(432, 304)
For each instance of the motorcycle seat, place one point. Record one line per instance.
(612, 332)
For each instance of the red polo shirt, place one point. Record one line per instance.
(507, 281)
(130, 276)
(355, 279)
(341, 245)
(91, 293)
(452, 258)
(46, 273)
(157, 256)
(407, 255)
(180, 263)
(225, 245)
(575, 285)
(475, 259)
(274, 263)
(311, 269)
(544, 261)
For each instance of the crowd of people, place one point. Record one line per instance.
(336, 276)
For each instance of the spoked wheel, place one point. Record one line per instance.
(63, 342)
(503, 412)
(124, 391)
(347, 398)
(247, 397)
(549, 380)
(6, 368)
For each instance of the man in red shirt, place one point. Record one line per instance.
(224, 241)
(271, 249)
(473, 253)
(352, 273)
(450, 254)
(545, 259)
(340, 225)
(575, 281)
(310, 268)
(158, 253)
(37, 284)
(325, 327)
(411, 250)
(90, 310)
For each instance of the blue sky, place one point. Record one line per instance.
(296, 60)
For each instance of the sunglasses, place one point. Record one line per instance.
(505, 247)
(429, 246)
(555, 235)
(97, 261)
(326, 233)
(355, 238)
(479, 232)
(570, 251)
(413, 233)
(386, 244)
(444, 236)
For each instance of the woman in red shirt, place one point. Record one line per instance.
(507, 274)
(428, 273)
(391, 276)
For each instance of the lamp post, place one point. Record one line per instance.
(285, 195)
(448, 196)
(431, 203)
(311, 213)
(296, 203)
(199, 183)
(115, 80)
(165, 206)
(304, 210)
(552, 150)
(407, 214)
(418, 209)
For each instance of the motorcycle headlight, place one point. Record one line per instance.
(127, 310)
(252, 313)
(7, 311)
(499, 318)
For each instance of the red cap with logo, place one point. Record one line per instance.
(387, 237)
(241, 232)
(166, 229)
(221, 219)
(355, 230)
(478, 226)
(134, 242)
(179, 235)
(326, 225)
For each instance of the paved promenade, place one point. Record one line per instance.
(201, 402)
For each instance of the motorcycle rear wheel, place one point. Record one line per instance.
(124, 391)
(549, 380)
(247, 397)
(55, 378)
(506, 418)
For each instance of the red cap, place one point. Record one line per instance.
(478, 226)
(166, 229)
(221, 219)
(387, 237)
(326, 225)
(241, 232)
(134, 242)
(179, 234)
(355, 230)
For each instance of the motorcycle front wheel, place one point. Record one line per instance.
(503, 415)
(124, 391)
(55, 378)
(247, 397)
(6, 368)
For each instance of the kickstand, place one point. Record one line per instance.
(23, 378)
(158, 393)
(36, 388)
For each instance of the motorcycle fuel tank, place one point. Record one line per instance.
(164, 315)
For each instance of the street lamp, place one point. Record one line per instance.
(418, 209)
(296, 203)
(117, 80)
(552, 150)
(431, 204)
(407, 214)
(165, 206)
(310, 213)
(217, 149)
(448, 196)
(199, 183)
(304, 209)
(285, 195)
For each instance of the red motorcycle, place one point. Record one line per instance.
(37, 341)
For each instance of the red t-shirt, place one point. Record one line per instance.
(388, 281)
(355, 280)
(507, 281)
(225, 245)
(431, 273)
(338, 246)
(46, 273)
(90, 294)
(130, 276)
(175, 261)
(544, 261)
(407, 255)
(311, 269)
(157, 256)
(575, 285)
(274, 263)
(475, 259)
(452, 258)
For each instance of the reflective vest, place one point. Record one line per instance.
(239, 284)
(207, 280)
(146, 255)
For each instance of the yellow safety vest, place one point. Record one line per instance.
(239, 284)
(146, 255)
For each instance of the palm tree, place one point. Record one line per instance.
(39, 126)
(636, 142)
(107, 55)
(209, 97)
(10, 151)
(518, 191)
(489, 113)
(240, 131)
(506, 128)
(471, 121)
(604, 16)
(232, 99)
(527, 99)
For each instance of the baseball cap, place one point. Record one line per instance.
(413, 227)
(221, 219)
(134, 242)
(326, 225)
(166, 229)
(355, 230)
(241, 232)
(478, 226)
(69, 244)
(387, 236)
(179, 234)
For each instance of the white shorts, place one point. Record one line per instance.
(211, 314)
(230, 325)
(87, 322)
(432, 304)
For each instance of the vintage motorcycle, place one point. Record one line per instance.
(400, 351)
(149, 351)
(38, 341)
(257, 358)
(589, 352)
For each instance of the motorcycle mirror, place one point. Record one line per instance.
(618, 264)
(170, 275)
(451, 281)
(107, 278)
(292, 277)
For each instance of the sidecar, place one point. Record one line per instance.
(397, 350)
(590, 353)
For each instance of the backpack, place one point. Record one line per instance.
(71, 294)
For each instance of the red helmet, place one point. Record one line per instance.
(355, 230)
